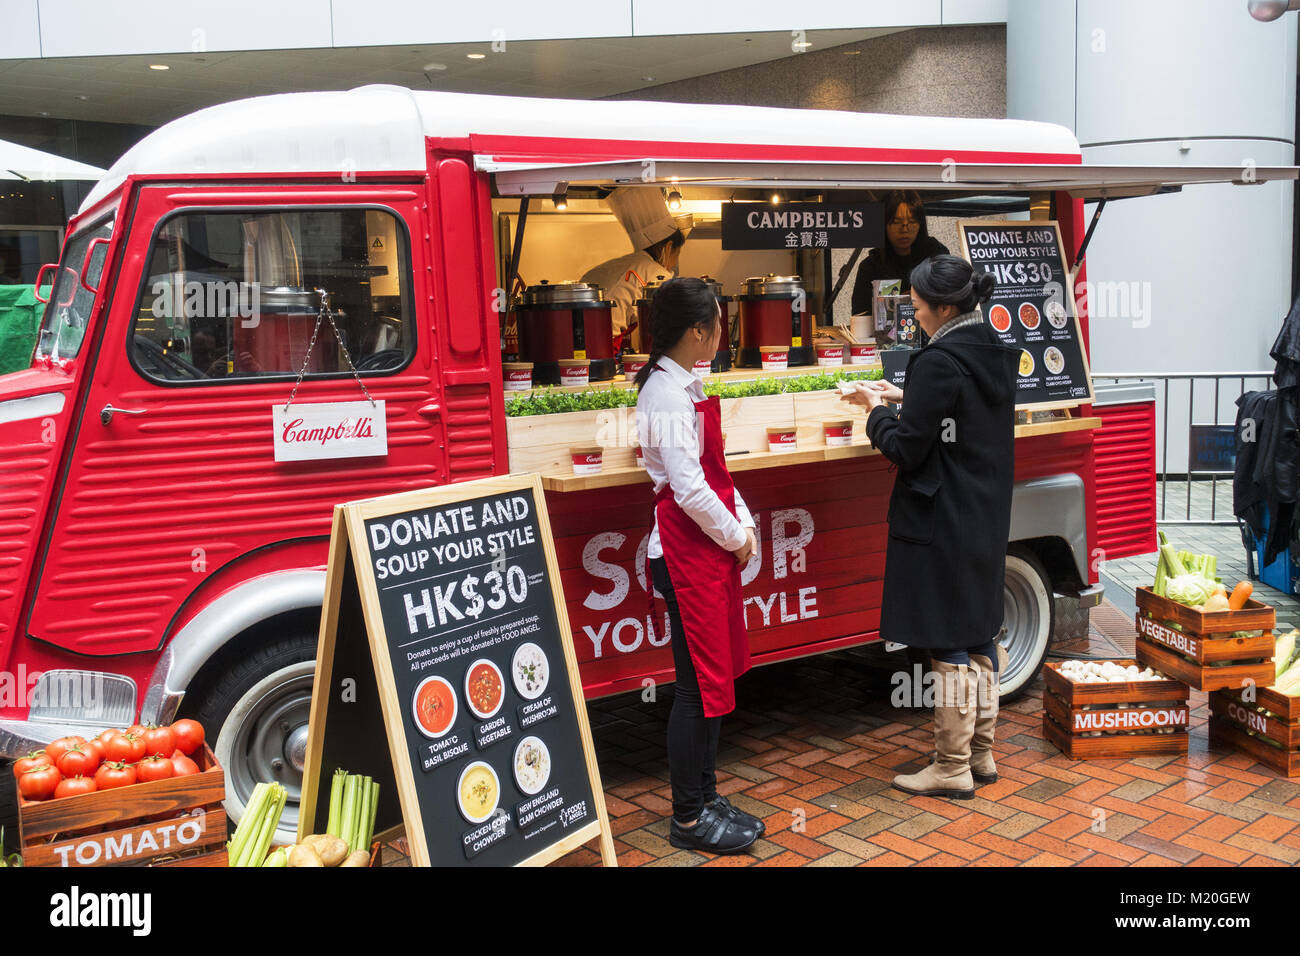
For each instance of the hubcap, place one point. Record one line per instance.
(270, 745)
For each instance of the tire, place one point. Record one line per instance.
(1029, 619)
(255, 706)
(8, 809)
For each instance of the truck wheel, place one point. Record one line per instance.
(258, 705)
(1028, 620)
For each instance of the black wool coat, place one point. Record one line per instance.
(950, 511)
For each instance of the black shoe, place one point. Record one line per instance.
(723, 805)
(714, 832)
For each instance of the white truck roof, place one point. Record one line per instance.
(384, 129)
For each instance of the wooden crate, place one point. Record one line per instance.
(1271, 737)
(161, 822)
(1196, 655)
(1073, 712)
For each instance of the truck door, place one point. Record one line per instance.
(232, 303)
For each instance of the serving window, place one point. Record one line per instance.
(239, 295)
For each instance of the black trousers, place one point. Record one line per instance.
(692, 737)
(962, 655)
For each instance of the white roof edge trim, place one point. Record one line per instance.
(382, 128)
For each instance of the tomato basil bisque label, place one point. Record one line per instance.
(474, 641)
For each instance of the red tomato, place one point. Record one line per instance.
(74, 786)
(100, 751)
(37, 758)
(137, 729)
(108, 735)
(182, 765)
(78, 761)
(110, 776)
(57, 748)
(154, 768)
(124, 748)
(159, 740)
(189, 735)
(39, 784)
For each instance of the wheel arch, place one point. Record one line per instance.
(269, 602)
(1049, 518)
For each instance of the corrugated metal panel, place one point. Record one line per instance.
(1126, 479)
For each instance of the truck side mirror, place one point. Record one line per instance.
(40, 280)
(85, 264)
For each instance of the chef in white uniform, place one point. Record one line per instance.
(657, 236)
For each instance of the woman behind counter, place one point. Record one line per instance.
(703, 534)
(907, 244)
(950, 514)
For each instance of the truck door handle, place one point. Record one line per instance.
(108, 411)
(430, 411)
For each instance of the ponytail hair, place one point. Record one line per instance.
(951, 280)
(678, 306)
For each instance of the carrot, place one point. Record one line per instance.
(1240, 595)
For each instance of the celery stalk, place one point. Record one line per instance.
(348, 821)
(248, 822)
(336, 801)
(363, 814)
(255, 851)
(363, 820)
(1159, 586)
(1174, 567)
(374, 809)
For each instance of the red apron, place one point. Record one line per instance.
(706, 577)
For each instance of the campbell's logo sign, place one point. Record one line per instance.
(330, 430)
(1085, 720)
(1183, 643)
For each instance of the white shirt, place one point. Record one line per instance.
(624, 292)
(668, 428)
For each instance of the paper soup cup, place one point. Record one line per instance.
(518, 376)
(575, 371)
(640, 456)
(775, 357)
(633, 364)
(862, 355)
(780, 438)
(587, 460)
(830, 355)
(703, 368)
(838, 432)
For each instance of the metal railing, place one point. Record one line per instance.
(1182, 407)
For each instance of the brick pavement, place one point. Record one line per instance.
(814, 743)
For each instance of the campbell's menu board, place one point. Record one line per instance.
(478, 666)
(1031, 308)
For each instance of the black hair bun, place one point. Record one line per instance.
(982, 283)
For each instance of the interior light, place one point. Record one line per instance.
(776, 198)
(476, 56)
(561, 197)
(159, 66)
(674, 200)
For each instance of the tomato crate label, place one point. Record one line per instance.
(1129, 719)
(1175, 640)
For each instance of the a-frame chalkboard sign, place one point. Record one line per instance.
(445, 670)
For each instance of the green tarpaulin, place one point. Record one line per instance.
(20, 315)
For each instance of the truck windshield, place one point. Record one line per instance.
(63, 326)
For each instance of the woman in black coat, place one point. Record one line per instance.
(950, 514)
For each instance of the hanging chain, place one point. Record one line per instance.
(326, 313)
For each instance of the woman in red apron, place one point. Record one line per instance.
(703, 535)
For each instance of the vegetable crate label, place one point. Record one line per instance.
(1032, 309)
(329, 430)
(1175, 640)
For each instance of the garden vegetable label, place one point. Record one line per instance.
(1032, 308)
(450, 598)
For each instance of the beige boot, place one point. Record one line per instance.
(982, 767)
(954, 723)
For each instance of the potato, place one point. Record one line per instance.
(357, 858)
(331, 849)
(303, 855)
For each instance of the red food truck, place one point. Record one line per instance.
(275, 305)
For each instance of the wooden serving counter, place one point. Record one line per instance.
(753, 461)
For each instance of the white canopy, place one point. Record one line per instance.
(25, 163)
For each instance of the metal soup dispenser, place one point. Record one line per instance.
(722, 360)
(566, 320)
(773, 313)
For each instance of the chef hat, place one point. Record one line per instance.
(644, 215)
